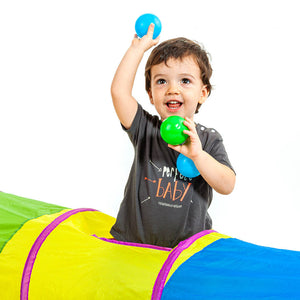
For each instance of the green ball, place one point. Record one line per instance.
(171, 130)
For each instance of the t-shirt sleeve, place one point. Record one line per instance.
(143, 125)
(137, 123)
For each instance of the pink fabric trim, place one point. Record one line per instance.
(133, 244)
(37, 245)
(163, 274)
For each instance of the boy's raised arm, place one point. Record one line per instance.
(122, 84)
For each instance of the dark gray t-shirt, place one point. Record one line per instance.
(160, 206)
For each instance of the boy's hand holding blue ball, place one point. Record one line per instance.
(143, 22)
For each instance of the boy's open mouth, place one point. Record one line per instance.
(173, 105)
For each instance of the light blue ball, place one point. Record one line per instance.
(143, 22)
(186, 166)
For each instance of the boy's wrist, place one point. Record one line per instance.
(200, 156)
(137, 49)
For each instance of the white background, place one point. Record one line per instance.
(60, 141)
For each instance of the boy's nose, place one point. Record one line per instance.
(173, 88)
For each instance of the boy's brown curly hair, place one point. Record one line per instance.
(180, 48)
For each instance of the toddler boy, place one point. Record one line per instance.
(160, 206)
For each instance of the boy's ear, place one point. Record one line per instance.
(204, 95)
(150, 96)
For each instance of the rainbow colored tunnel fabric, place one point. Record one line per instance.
(52, 252)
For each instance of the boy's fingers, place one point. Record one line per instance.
(188, 132)
(156, 41)
(150, 30)
(176, 148)
(189, 124)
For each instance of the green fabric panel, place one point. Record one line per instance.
(15, 211)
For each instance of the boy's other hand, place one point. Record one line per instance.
(193, 147)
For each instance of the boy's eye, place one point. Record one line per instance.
(185, 81)
(160, 81)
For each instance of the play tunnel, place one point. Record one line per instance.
(52, 252)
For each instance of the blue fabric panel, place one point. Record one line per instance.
(233, 269)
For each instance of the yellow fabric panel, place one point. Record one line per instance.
(197, 246)
(15, 252)
(73, 264)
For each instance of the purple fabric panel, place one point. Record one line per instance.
(133, 244)
(37, 245)
(163, 274)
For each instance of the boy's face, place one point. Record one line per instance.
(177, 88)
